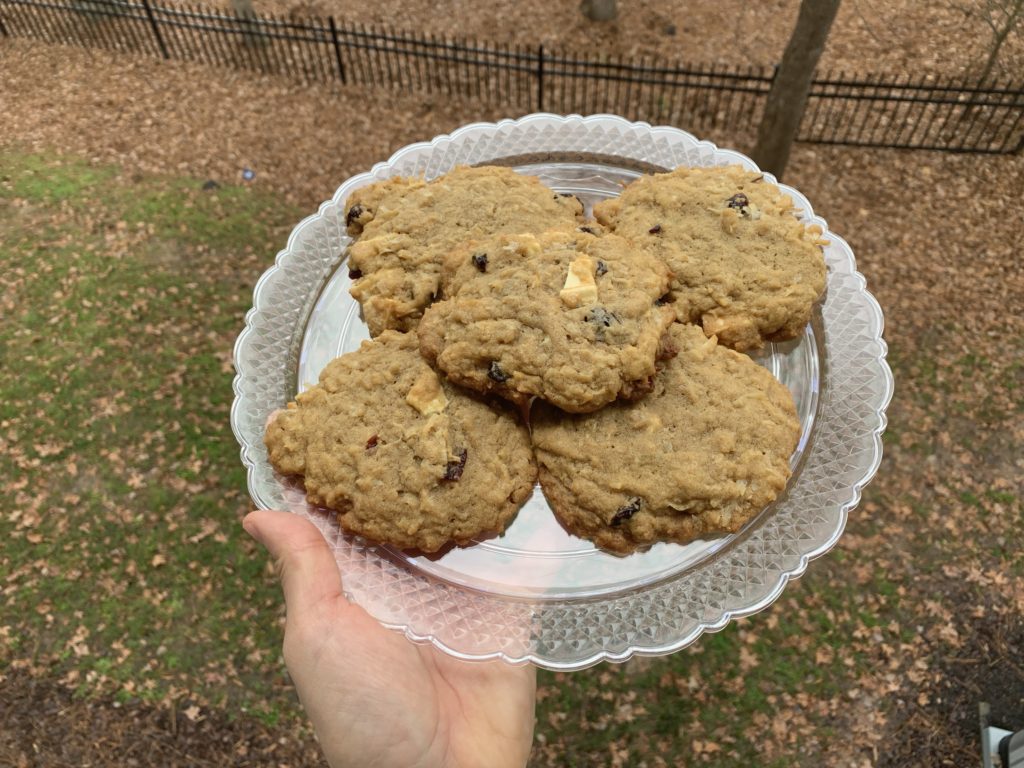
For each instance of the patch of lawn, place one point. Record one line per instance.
(125, 565)
(753, 672)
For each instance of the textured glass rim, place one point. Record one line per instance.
(259, 313)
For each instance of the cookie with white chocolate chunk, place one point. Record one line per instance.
(404, 457)
(702, 454)
(404, 227)
(566, 316)
(743, 265)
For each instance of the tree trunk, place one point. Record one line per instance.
(1012, 16)
(788, 95)
(244, 10)
(599, 10)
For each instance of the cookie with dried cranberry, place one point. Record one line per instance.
(702, 454)
(566, 316)
(406, 227)
(743, 265)
(404, 457)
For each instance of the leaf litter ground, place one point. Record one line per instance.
(138, 626)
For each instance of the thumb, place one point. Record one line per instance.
(309, 572)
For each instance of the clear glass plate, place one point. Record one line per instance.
(536, 593)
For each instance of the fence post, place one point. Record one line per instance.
(540, 77)
(337, 50)
(156, 29)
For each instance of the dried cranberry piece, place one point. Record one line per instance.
(626, 512)
(494, 373)
(738, 201)
(372, 442)
(655, 230)
(353, 214)
(354, 274)
(480, 261)
(453, 470)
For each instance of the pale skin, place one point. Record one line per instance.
(375, 699)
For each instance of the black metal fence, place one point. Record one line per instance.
(928, 112)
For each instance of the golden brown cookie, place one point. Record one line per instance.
(404, 457)
(743, 265)
(566, 316)
(703, 453)
(406, 227)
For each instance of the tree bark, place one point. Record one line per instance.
(244, 10)
(599, 10)
(1012, 14)
(788, 95)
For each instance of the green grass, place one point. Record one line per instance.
(120, 305)
(750, 670)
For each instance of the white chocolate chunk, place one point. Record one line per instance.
(580, 287)
(527, 245)
(426, 395)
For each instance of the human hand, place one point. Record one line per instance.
(377, 700)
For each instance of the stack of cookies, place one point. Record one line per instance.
(514, 341)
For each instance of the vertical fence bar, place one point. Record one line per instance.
(994, 109)
(540, 77)
(218, 54)
(45, 25)
(239, 37)
(282, 47)
(323, 49)
(123, 36)
(905, 113)
(175, 38)
(54, 29)
(950, 109)
(156, 29)
(831, 119)
(19, 23)
(197, 43)
(809, 121)
(420, 48)
(676, 93)
(111, 33)
(1017, 103)
(927, 115)
(363, 57)
(446, 66)
(30, 20)
(263, 52)
(337, 50)
(303, 50)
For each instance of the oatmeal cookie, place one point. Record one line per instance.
(566, 316)
(406, 227)
(404, 457)
(703, 453)
(743, 265)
